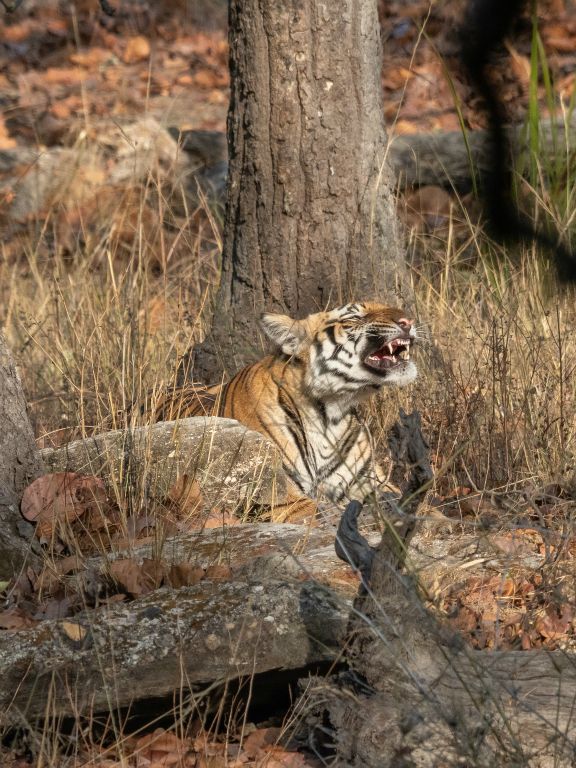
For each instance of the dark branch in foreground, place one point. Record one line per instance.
(351, 546)
(11, 7)
(486, 25)
(108, 9)
(409, 451)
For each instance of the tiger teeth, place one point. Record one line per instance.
(393, 345)
(404, 355)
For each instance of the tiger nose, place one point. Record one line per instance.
(405, 323)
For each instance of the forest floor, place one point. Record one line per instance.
(105, 266)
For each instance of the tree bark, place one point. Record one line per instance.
(310, 219)
(20, 463)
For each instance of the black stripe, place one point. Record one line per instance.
(342, 455)
(323, 367)
(335, 352)
(228, 406)
(320, 409)
(348, 379)
(362, 472)
(221, 398)
(345, 363)
(296, 428)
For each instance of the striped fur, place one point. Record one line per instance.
(304, 396)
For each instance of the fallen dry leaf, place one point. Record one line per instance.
(50, 578)
(216, 518)
(16, 33)
(6, 141)
(152, 574)
(396, 77)
(465, 620)
(553, 626)
(74, 631)
(137, 579)
(185, 575)
(66, 76)
(92, 57)
(61, 497)
(185, 497)
(560, 38)
(137, 49)
(513, 544)
(433, 204)
(128, 574)
(260, 739)
(218, 572)
(210, 78)
(15, 618)
(276, 757)
(162, 747)
(211, 761)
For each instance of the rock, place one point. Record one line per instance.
(234, 466)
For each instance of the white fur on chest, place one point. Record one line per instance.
(338, 449)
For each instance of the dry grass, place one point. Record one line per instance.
(497, 386)
(92, 336)
(96, 326)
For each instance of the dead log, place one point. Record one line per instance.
(285, 605)
(450, 159)
(167, 641)
(416, 695)
(20, 463)
(251, 550)
(234, 466)
(512, 708)
(444, 158)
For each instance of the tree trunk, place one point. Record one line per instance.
(310, 219)
(20, 463)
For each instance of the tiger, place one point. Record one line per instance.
(304, 397)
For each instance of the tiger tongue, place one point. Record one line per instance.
(380, 359)
(381, 354)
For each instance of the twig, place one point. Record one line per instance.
(486, 25)
(108, 9)
(409, 450)
(11, 7)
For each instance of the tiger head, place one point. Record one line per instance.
(354, 349)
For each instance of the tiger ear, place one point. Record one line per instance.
(285, 332)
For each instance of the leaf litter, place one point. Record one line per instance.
(112, 68)
(75, 518)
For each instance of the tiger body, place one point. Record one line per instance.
(304, 397)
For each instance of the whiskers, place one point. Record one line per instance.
(423, 333)
(389, 331)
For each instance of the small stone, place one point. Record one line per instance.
(212, 642)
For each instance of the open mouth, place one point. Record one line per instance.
(388, 356)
